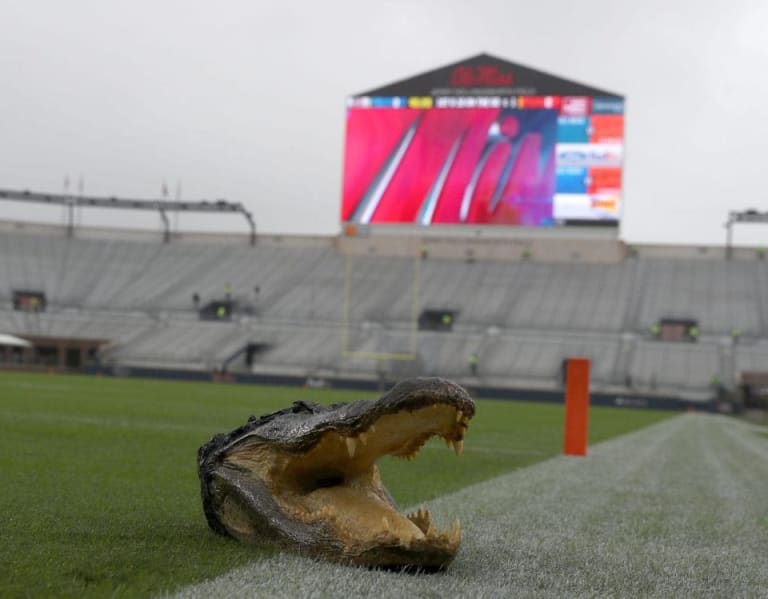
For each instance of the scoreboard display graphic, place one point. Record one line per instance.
(484, 142)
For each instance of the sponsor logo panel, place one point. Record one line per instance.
(588, 154)
(573, 206)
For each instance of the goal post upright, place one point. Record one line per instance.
(576, 407)
(404, 356)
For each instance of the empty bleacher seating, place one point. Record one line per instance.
(319, 309)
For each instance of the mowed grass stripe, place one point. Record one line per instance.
(674, 510)
(100, 494)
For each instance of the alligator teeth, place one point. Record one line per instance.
(423, 520)
(363, 438)
(351, 446)
(385, 522)
(459, 416)
(448, 443)
(458, 447)
(455, 532)
(421, 517)
(452, 535)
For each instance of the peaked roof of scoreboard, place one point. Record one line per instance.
(486, 75)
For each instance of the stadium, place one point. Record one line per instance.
(479, 241)
(349, 311)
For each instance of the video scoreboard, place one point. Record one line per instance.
(472, 152)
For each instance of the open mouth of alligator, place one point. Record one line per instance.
(307, 477)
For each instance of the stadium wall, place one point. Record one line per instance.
(507, 301)
(617, 400)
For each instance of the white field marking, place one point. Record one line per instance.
(677, 509)
(62, 387)
(167, 426)
(143, 424)
(101, 422)
(35, 386)
(468, 448)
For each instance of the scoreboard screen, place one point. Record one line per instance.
(476, 156)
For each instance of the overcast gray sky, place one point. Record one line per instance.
(245, 99)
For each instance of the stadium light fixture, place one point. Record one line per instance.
(741, 216)
(163, 206)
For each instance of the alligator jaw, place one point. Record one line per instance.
(327, 498)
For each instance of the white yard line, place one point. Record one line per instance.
(679, 509)
(50, 418)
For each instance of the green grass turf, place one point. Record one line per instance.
(100, 495)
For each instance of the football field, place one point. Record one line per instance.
(101, 498)
(678, 509)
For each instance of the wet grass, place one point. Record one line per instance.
(100, 495)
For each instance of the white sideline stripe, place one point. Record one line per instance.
(482, 449)
(674, 510)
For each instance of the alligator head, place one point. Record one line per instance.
(306, 477)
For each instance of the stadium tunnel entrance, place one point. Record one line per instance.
(60, 353)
